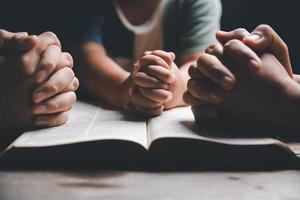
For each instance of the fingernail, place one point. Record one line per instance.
(39, 110)
(40, 76)
(254, 37)
(40, 96)
(147, 52)
(209, 50)
(227, 82)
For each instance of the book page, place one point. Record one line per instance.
(88, 123)
(295, 147)
(179, 123)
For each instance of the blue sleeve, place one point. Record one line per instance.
(93, 32)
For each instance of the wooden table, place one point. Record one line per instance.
(73, 185)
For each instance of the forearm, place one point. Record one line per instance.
(103, 78)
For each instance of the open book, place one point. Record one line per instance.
(98, 135)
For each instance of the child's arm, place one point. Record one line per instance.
(103, 77)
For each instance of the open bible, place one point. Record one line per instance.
(104, 136)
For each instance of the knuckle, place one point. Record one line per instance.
(186, 97)
(53, 36)
(213, 69)
(69, 58)
(69, 72)
(202, 59)
(34, 39)
(162, 94)
(158, 84)
(52, 105)
(60, 119)
(2, 33)
(168, 75)
(55, 48)
(20, 34)
(53, 88)
(157, 59)
(27, 63)
(50, 34)
(240, 31)
(191, 84)
(157, 52)
(25, 59)
(231, 44)
(73, 97)
(75, 84)
(48, 65)
(192, 70)
(212, 47)
(285, 47)
(265, 28)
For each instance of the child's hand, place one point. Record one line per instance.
(148, 91)
(158, 79)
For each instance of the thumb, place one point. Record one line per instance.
(4, 37)
(239, 34)
(265, 38)
(15, 42)
(172, 55)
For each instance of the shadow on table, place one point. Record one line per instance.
(126, 159)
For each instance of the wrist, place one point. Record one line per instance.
(124, 95)
(178, 90)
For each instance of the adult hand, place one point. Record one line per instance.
(259, 93)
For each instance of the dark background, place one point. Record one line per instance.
(282, 15)
(67, 18)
